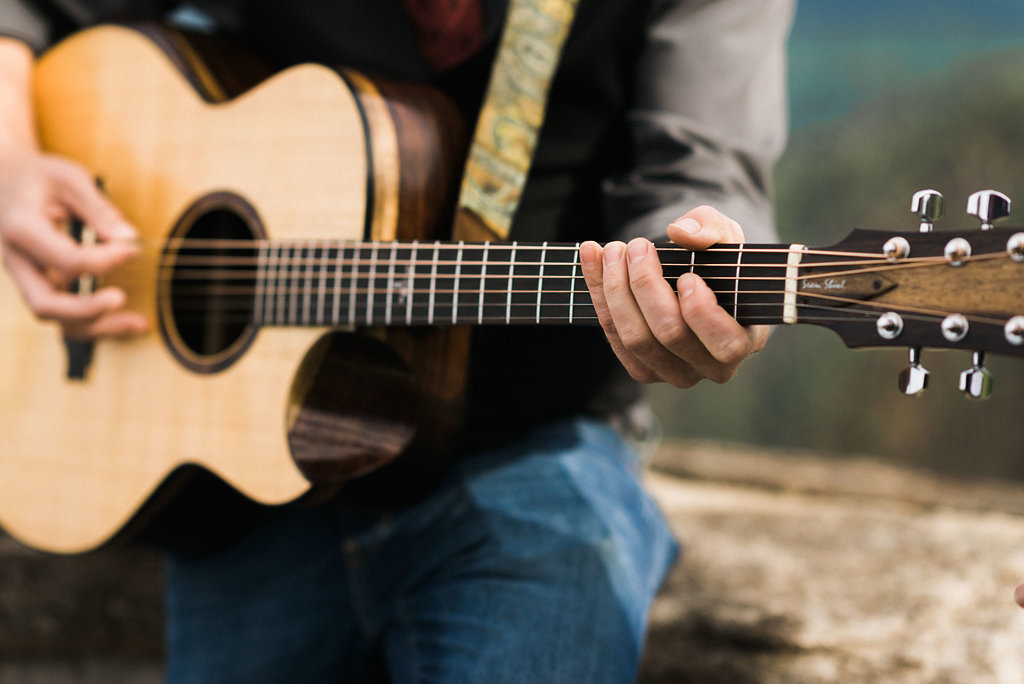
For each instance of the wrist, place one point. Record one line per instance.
(17, 128)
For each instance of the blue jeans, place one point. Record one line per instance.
(533, 562)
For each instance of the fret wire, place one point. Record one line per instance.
(540, 278)
(455, 288)
(412, 284)
(736, 298)
(572, 290)
(284, 270)
(321, 287)
(296, 274)
(483, 276)
(371, 283)
(336, 304)
(355, 283)
(281, 287)
(389, 300)
(307, 303)
(433, 284)
(511, 271)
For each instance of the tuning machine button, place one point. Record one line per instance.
(913, 380)
(889, 325)
(989, 206)
(957, 251)
(976, 381)
(1014, 330)
(927, 205)
(1015, 247)
(955, 327)
(896, 248)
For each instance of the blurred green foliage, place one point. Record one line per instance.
(956, 131)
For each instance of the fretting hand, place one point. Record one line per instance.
(660, 336)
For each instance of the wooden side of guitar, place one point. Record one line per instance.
(79, 458)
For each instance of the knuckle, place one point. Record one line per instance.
(68, 170)
(642, 281)
(673, 334)
(640, 342)
(721, 374)
(643, 374)
(42, 309)
(734, 351)
(685, 378)
(67, 264)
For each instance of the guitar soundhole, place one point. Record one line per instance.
(208, 283)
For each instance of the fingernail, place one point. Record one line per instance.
(685, 285)
(612, 253)
(588, 255)
(123, 231)
(637, 249)
(687, 225)
(111, 298)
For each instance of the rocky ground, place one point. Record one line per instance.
(796, 569)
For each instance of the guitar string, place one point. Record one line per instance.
(244, 301)
(244, 310)
(588, 317)
(293, 265)
(291, 285)
(297, 267)
(291, 270)
(175, 244)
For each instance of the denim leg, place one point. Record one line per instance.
(534, 562)
(559, 555)
(273, 607)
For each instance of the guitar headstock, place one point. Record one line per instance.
(961, 289)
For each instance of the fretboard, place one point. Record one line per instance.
(310, 283)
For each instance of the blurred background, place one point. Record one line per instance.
(887, 98)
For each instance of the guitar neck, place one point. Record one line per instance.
(446, 283)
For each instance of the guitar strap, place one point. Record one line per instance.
(511, 117)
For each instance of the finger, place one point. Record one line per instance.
(592, 261)
(727, 342)
(49, 303)
(113, 324)
(702, 227)
(651, 360)
(78, 190)
(48, 247)
(671, 348)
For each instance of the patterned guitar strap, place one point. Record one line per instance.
(511, 117)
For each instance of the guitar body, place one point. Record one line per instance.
(310, 153)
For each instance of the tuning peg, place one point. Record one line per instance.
(927, 205)
(976, 381)
(914, 379)
(989, 206)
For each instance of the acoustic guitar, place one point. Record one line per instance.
(307, 325)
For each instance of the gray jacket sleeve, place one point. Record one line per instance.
(20, 20)
(709, 117)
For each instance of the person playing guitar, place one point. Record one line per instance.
(535, 555)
